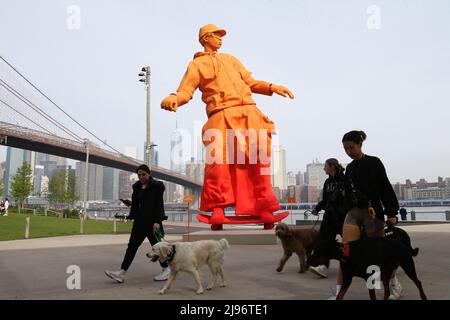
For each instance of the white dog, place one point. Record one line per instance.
(190, 257)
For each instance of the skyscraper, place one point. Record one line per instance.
(153, 151)
(175, 192)
(126, 180)
(50, 163)
(309, 194)
(38, 175)
(59, 160)
(279, 167)
(2, 171)
(316, 174)
(195, 169)
(110, 184)
(155, 157)
(290, 179)
(299, 181)
(178, 151)
(95, 185)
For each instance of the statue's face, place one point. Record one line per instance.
(213, 41)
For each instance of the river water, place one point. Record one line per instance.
(421, 214)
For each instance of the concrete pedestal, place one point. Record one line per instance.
(236, 236)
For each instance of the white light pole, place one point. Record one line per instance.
(86, 182)
(145, 74)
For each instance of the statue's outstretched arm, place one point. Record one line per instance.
(259, 86)
(266, 88)
(189, 83)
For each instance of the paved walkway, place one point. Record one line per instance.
(174, 232)
(36, 269)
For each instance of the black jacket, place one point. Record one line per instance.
(147, 205)
(334, 204)
(330, 188)
(370, 183)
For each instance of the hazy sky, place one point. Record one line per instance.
(392, 82)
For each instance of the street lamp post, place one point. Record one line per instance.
(145, 74)
(86, 182)
(150, 151)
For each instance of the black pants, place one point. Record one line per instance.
(140, 231)
(330, 227)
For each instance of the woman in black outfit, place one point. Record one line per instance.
(333, 204)
(370, 196)
(147, 211)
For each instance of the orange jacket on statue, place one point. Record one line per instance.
(222, 79)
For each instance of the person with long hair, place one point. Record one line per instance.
(370, 198)
(332, 202)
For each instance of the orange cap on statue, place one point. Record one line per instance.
(210, 28)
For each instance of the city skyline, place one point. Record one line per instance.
(45, 164)
(390, 81)
(131, 151)
(110, 185)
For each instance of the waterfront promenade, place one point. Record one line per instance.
(36, 269)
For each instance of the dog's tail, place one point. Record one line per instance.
(224, 243)
(414, 252)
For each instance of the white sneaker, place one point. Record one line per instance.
(333, 295)
(119, 276)
(164, 275)
(321, 271)
(395, 288)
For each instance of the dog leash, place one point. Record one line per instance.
(308, 213)
(158, 235)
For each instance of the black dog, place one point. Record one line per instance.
(357, 256)
(398, 234)
(395, 233)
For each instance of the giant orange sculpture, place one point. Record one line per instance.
(237, 135)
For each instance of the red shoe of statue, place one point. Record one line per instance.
(268, 218)
(217, 219)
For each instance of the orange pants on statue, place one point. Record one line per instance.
(231, 177)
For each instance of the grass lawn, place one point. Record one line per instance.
(12, 227)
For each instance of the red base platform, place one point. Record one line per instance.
(242, 219)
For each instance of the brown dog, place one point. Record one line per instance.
(300, 241)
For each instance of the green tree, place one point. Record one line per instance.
(21, 184)
(71, 191)
(62, 188)
(57, 187)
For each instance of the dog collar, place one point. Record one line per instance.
(172, 255)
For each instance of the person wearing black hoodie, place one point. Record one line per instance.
(147, 213)
(333, 204)
(370, 197)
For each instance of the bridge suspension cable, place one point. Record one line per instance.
(38, 110)
(60, 108)
(26, 117)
